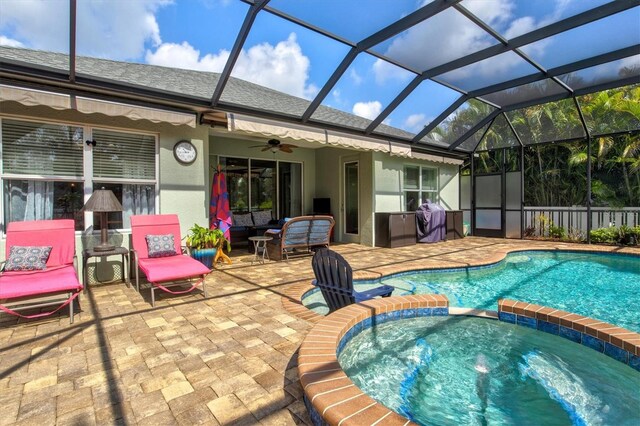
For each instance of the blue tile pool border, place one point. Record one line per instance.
(386, 317)
(613, 351)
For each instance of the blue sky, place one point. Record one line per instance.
(198, 34)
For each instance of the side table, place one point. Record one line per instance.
(89, 253)
(260, 243)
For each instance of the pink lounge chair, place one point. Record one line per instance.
(38, 288)
(167, 271)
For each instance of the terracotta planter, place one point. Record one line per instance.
(205, 256)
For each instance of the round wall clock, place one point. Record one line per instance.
(185, 152)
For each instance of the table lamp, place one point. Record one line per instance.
(103, 201)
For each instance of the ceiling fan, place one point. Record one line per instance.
(275, 145)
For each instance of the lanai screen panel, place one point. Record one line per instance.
(612, 111)
(365, 89)
(525, 93)
(604, 73)
(496, 69)
(470, 144)
(459, 122)
(447, 36)
(547, 122)
(420, 108)
(588, 40)
(362, 23)
(302, 79)
(499, 136)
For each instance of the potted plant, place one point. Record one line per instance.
(207, 245)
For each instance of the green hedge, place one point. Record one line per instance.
(623, 235)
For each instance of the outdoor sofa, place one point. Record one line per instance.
(299, 234)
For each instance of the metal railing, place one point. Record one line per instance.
(574, 219)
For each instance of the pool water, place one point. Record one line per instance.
(474, 371)
(601, 286)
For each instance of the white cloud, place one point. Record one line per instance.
(5, 41)
(449, 35)
(355, 77)
(186, 56)
(282, 67)
(415, 122)
(113, 29)
(368, 110)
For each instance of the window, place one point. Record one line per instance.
(125, 163)
(270, 185)
(45, 167)
(420, 184)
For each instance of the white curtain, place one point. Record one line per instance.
(31, 200)
(137, 199)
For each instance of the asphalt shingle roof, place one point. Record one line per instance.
(198, 85)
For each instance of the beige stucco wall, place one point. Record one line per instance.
(329, 181)
(182, 189)
(388, 175)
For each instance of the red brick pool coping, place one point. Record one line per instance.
(333, 395)
(292, 301)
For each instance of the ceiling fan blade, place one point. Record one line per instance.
(256, 146)
(285, 148)
(288, 145)
(266, 148)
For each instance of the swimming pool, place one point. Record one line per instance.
(467, 370)
(596, 285)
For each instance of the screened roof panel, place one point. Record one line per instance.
(367, 87)
(499, 135)
(547, 122)
(511, 19)
(440, 39)
(604, 73)
(612, 111)
(460, 122)
(303, 68)
(588, 40)
(282, 68)
(349, 19)
(470, 144)
(488, 72)
(421, 107)
(524, 93)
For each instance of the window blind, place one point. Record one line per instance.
(41, 149)
(124, 155)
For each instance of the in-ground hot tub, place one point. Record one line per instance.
(455, 369)
(469, 370)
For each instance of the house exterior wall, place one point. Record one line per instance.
(388, 176)
(182, 189)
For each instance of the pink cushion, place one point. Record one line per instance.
(58, 233)
(153, 224)
(29, 283)
(170, 268)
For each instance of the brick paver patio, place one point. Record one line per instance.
(229, 359)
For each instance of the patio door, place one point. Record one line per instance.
(350, 203)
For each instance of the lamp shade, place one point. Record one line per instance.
(102, 200)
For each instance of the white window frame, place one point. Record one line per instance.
(87, 166)
(420, 190)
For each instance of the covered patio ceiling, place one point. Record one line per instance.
(435, 70)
